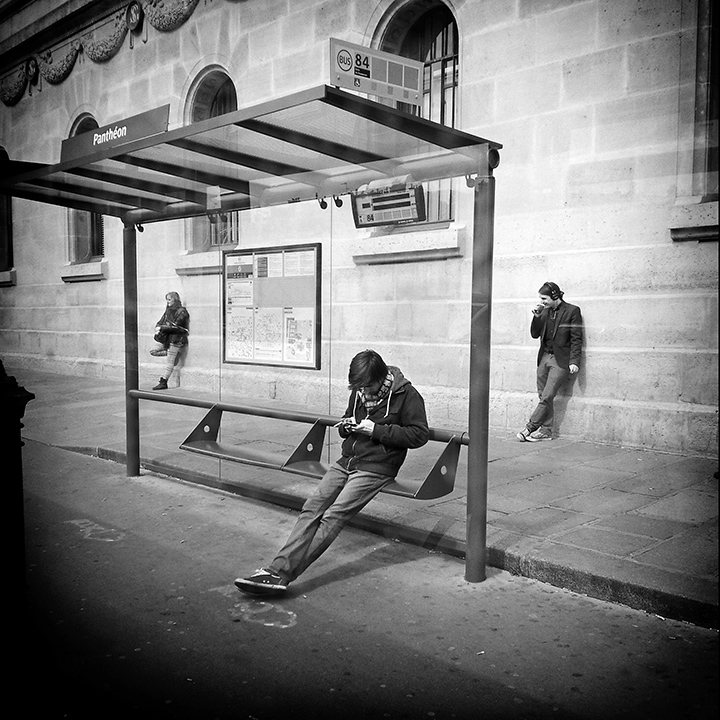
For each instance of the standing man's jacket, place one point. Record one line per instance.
(568, 336)
(400, 425)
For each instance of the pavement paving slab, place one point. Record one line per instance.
(625, 525)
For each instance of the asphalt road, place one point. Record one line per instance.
(132, 613)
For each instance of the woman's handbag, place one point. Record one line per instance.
(162, 336)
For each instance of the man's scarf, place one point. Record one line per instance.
(371, 401)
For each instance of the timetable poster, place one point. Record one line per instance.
(271, 306)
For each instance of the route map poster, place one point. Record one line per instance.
(271, 299)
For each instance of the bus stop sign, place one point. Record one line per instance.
(375, 72)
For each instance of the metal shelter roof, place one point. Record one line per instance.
(312, 144)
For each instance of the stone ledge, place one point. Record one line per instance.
(408, 256)
(85, 272)
(700, 233)
(694, 219)
(8, 278)
(201, 263)
(417, 245)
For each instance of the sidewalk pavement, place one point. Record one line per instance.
(619, 524)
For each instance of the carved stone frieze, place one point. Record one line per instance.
(55, 72)
(12, 88)
(163, 15)
(166, 15)
(103, 49)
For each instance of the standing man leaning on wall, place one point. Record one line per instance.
(559, 326)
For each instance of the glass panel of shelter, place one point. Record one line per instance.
(348, 315)
(270, 378)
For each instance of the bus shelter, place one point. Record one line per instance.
(315, 144)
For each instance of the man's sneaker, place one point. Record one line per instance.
(162, 385)
(524, 434)
(262, 582)
(538, 435)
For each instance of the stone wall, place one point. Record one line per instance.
(589, 100)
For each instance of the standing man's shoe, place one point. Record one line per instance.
(524, 435)
(538, 435)
(162, 385)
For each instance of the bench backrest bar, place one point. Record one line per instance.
(437, 434)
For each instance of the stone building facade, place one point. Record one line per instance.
(607, 185)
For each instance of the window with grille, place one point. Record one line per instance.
(86, 230)
(215, 95)
(431, 37)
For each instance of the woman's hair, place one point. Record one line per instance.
(172, 295)
(366, 368)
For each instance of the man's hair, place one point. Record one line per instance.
(551, 290)
(366, 368)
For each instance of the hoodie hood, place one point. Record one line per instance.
(399, 380)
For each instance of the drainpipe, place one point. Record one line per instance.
(479, 390)
(132, 405)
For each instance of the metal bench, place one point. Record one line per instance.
(306, 458)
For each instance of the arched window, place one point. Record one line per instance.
(430, 34)
(86, 231)
(214, 95)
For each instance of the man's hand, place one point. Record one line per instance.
(574, 369)
(364, 427)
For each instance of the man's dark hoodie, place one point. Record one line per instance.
(400, 425)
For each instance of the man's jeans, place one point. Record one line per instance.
(550, 378)
(339, 496)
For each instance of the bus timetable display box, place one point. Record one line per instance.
(390, 205)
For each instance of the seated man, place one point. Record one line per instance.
(384, 418)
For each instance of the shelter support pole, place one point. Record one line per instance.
(132, 404)
(479, 391)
